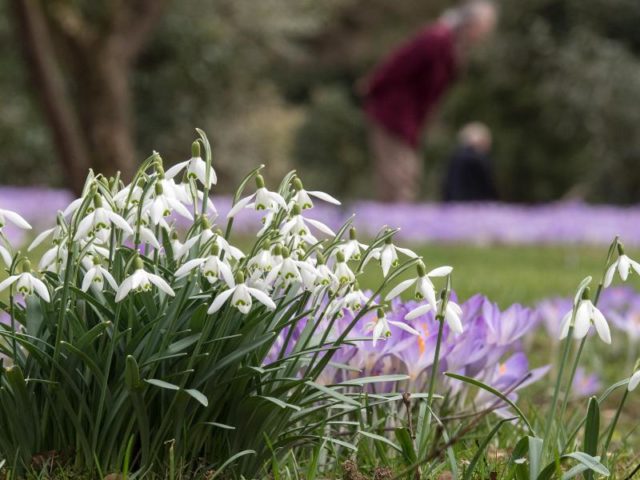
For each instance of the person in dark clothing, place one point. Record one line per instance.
(469, 176)
(403, 91)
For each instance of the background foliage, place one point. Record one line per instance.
(273, 81)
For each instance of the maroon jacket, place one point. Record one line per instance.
(404, 88)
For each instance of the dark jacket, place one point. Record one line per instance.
(469, 177)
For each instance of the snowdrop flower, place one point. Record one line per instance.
(354, 300)
(302, 198)
(132, 193)
(141, 281)
(218, 239)
(585, 313)
(12, 217)
(99, 220)
(424, 288)
(634, 381)
(388, 255)
(623, 263)
(240, 295)
(196, 168)
(452, 314)
(263, 261)
(291, 270)
(264, 199)
(27, 284)
(342, 271)
(212, 267)
(56, 232)
(352, 248)
(95, 277)
(297, 226)
(164, 205)
(324, 276)
(380, 326)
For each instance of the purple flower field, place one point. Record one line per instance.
(557, 223)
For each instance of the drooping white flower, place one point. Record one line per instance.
(380, 327)
(352, 248)
(290, 270)
(7, 216)
(585, 314)
(263, 261)
(634, 381)
(218, 239)
(302, 197)
(196, 168)
(212, 268)
(264, 199)
(623, 264)
(162, 205)
(27, 284)
(388, 255)
(100, 220)
(131, 193)
(5, 255)
(298, 226)
(342, 271)
(424, 288)
(452, 314)
(142, 281)
(96, 276)
(240, 295)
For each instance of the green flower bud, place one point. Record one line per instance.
(159, 189)
(259, 181)
(320, 260)
(239, 277)
(620, 248)
(277, 250)
(340, 257)
(195, 149)
(586, 293)
(285, 252)
(26, 266)
(380, 312)
(297, 184)
(215, 250)
(97, 201)
(422, 271)
(352, 233)
(296, 210)
(138, 263)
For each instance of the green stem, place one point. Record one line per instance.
(556, 391)
(571, 377)
(614, 422)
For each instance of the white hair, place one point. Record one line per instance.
(468, 13)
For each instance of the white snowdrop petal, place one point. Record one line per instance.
(324, 196)
(161, 284)
(219, 300)
(88, 278)
(41, 289)
(398, 289)
(417, 312)
(262, 298)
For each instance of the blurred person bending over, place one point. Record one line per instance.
(403, 90)
(469, 175)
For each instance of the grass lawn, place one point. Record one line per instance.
(514, 274)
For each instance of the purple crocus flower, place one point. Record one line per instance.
(584, 384)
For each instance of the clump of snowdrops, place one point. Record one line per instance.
(145, 341)
(142, 339)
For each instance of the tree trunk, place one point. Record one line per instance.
(96, 129)
(36, 42)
